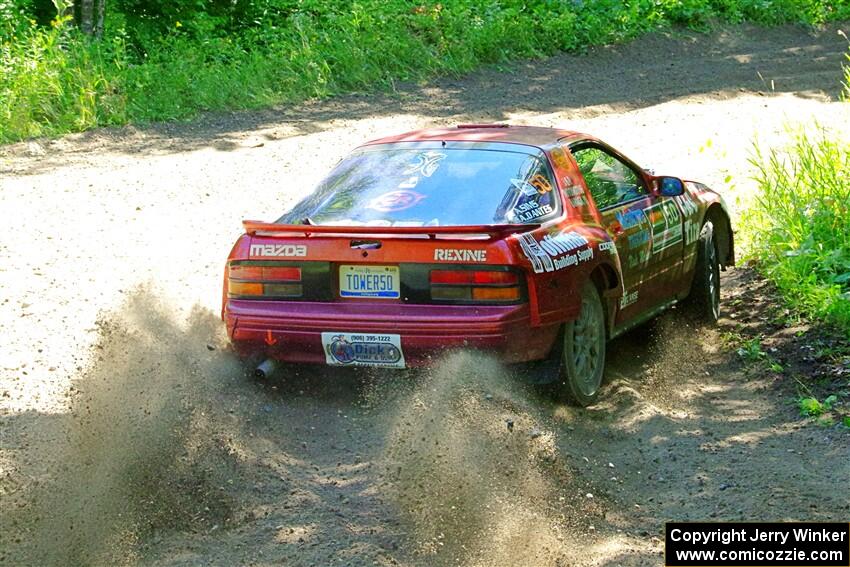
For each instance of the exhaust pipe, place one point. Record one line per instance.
(266, 369)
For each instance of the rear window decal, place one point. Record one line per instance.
(395, 201)
(524, 187)
(528, 211)
(540, 183)
(426, 164)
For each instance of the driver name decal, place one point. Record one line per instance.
(278, 250)
(555, 252)
(460, 255)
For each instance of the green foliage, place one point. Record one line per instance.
(823, 413)
(751, 351)
(169, 59)
(810, 407)
(799, 225)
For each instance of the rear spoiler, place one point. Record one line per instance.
(493, 230)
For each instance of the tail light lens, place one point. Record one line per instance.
(475, 286)
(265, 279)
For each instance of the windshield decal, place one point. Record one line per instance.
(395, 201)
(426, 164)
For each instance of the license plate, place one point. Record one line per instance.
(369, 281)
(360, 349)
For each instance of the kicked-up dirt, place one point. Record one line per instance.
(129, 434)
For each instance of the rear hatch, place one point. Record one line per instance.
(406, 222)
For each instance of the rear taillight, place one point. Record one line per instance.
(477, 286)
(264, 279)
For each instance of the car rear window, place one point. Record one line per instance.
(432, 187)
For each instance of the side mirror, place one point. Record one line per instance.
(670, 186)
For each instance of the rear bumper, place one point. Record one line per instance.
(295, 328)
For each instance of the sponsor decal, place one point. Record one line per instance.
(638, 239)
(344, 349)
(607, 246)
(692, 230)
(639, 258)
(459, 255)
(689, 206)
(426, 164)
(555, 252)
(665, 225)
(409, 183)
(578, 201)
(631, 219)
(690, 210)
(559, 158)
(395, 201)
(277, 250)
(628, 299)
(574, 190)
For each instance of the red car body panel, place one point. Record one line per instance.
(635, 254)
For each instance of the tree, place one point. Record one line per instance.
(88, 14)
(91, 14)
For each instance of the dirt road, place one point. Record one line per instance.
(128, 434)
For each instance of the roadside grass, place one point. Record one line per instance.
(53, 80)
(797, 230)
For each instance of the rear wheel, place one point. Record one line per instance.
(704, 299)
(583, 353)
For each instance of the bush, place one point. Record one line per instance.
(798, 228)
(171, 59)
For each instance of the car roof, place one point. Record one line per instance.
(537, 136)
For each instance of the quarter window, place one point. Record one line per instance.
(609, 180)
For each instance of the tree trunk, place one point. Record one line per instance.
(86, 22)
(98, 19)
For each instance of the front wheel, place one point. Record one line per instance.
(583, 355)
(704, 299)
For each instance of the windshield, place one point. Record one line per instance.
(394, 186)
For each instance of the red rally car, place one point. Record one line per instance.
(533, 244)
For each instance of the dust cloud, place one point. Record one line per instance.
(473, 463)
(138, 450)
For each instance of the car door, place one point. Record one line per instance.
(643, 227)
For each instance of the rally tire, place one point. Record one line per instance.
(704, 299)
(583, 352)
